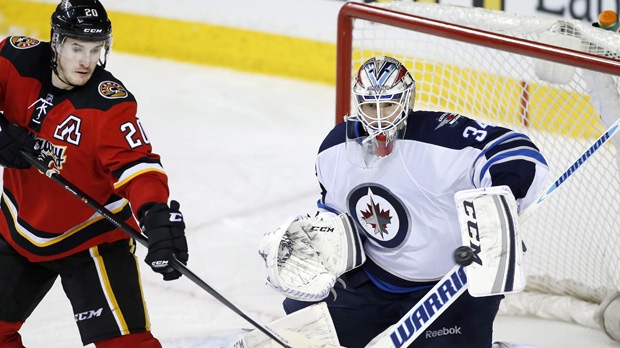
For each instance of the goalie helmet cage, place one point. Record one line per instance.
(487, 65)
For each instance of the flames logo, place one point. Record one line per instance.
(51, 155)
(112, 90)
(23, 42)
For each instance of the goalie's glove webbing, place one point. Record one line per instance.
(305, 256)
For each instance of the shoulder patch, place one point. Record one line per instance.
(23, 42)
(447, 119)
(112, 90)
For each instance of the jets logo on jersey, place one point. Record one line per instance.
(112, 90)
(23, 42)
(69, 130)
(380, 214)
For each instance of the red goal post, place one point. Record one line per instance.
(511, 70)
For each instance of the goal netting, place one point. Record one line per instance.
(502, 68)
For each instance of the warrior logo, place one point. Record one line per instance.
(23, 42)
(380, 214)
(112, 90)
(69, 130)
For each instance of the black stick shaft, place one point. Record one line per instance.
(56, 177)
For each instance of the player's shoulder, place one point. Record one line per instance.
(336, 136)
(25, 53)
(15, 45)
(451, 130)
(103, 91)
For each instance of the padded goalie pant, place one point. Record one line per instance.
(361, 311)
(102, 284)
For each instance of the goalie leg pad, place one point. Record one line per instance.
(308, 327)
(305, 256)
(489, 225)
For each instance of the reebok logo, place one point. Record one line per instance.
(434, 303)
(444, 332)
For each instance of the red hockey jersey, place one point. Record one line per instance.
(91, 135)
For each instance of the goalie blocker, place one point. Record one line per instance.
(488, 219)
(305, 256)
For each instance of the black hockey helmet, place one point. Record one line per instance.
(85, 20)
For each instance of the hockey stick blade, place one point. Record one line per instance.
(108, 215)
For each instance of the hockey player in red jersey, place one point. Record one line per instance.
(59, 103)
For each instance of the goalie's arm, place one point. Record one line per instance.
(512, 160)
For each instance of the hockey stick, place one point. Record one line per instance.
(108, 215)
(453, 284)
(606, 136)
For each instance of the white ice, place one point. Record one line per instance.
(239, 150)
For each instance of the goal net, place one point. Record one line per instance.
(534, 75)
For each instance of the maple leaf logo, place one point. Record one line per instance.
(377, 218)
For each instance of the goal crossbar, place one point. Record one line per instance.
(352, 11)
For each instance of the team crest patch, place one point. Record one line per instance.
(448, 119)
(112, 90)
(381, 215)
(23, 42)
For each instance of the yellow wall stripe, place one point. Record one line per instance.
(258, 52)
(493, 5)
(239, 49)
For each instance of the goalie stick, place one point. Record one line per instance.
(453, 284)
(108, 215)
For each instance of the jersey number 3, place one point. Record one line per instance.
(478, 134)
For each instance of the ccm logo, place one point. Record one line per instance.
(159, 264)
(472, 227)
(88, 314)
(95, 31)
(176, 217)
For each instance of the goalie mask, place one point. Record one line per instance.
(384, 92)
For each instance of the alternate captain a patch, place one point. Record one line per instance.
(23, 42)
(112, 90)
(380, 214)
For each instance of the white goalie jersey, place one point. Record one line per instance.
(404, 206)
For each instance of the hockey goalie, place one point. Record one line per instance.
(389, 175)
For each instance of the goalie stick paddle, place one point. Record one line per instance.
(108, 215)
(453, 284)
(424, 313)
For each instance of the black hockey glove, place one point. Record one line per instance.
(165, 230)
(12, 139)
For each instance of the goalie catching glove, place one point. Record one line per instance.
(305, 256)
